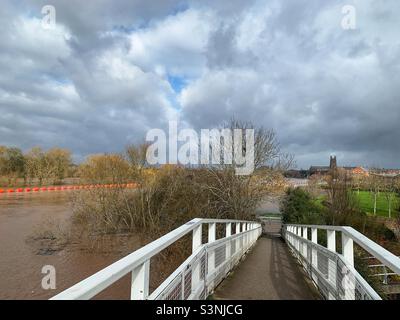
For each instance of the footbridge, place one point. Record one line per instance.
(262, 259)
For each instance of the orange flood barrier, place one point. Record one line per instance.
(64, 188)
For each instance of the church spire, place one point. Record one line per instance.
(333, 163)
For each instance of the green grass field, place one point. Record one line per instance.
(366, 203)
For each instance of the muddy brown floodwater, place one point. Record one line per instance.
(21, 263)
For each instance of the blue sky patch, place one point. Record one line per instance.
(177, 83)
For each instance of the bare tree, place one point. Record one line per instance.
(11, 163)
(266, 146)
(314, 185)
(61, 161)
(340, 198)
(38, 165)
(136, 157)
(238, 196)
(374, 184)
(389, 184)
(357, 181)
(104, 168)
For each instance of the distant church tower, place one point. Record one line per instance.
(333, 163)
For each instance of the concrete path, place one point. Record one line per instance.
(269, 272)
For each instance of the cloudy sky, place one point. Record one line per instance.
(111, 70)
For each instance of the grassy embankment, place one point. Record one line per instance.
(365, 201)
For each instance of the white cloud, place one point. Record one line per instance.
(176, 43)
(103, 76)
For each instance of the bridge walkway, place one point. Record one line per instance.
(269, 272)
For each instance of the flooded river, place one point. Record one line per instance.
(21, 262)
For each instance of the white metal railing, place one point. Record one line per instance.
(195, 278)
(381, 271)
(332, 272)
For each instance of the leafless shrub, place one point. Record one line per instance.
(171, 195)
(341, 201)
(49, 236)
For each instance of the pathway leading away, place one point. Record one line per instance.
(269, 272)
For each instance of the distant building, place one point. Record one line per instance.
(296, 174)
(323, 170)
(389, 173)
(358, 171)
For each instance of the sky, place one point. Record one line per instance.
(109, 71)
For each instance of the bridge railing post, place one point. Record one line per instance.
(292, 238)
(242, 243)
(228, 233)
(348, 254)
(298, 243)
(255, 232)
(250, 234)
(211, 253)
(196, 243)
(314, 255)
(247, 236)
(305, 230)
(237, 245)
(243, 237)
(140, 281)
(348, 250)
(294, 231)
(332, 268)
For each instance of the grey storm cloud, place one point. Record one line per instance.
(111, 70)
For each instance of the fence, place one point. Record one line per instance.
(196, 278)
(333, 272)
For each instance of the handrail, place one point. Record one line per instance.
(325, 265)
(137, 261)
(182, 267)
(380, 253)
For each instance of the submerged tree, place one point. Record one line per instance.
(60, 161)
(12, 163)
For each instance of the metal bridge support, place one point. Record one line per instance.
(348, 253)
(228, 233)
(244, 240)
(314, 255)
(331, 244)
(237, 230)
(211, 253)
(305, 244)
(196, 243)
(140, 281)
(298, 244)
